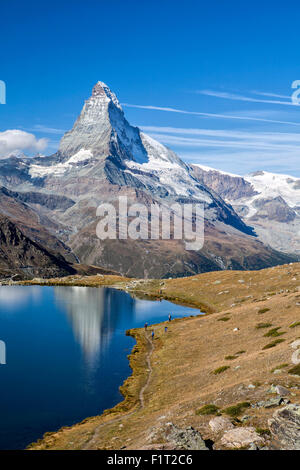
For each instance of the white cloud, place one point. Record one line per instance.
(14, 141)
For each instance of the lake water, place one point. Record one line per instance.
(66, 354)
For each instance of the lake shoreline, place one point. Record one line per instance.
(235, 381)
(151, 289)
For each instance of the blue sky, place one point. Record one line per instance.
(226, 66)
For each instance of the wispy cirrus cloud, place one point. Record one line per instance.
(271, 95)
(241, 162)
(236, 151)
(46, 129)
(237, 97)
(280, 137)
(210, 115)
(254, 143)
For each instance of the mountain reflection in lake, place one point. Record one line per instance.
(94, 315)
(66, 354)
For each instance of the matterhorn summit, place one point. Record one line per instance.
(102, 129)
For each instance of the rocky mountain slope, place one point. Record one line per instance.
(104, 157)
(25, 258)
(27, 210)
(267, 201)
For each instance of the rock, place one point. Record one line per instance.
(241, 437)
(251, 386)
(219, 423)
(279, 390)
(282, 391)
(185, 439)
(253, 447)
(285, 427)
(236, 329)
(272, 402)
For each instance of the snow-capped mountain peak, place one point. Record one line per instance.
(102, 129)
(271, 185)
(101, 89)
(270, 202)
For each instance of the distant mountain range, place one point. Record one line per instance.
(269, 202)
(53, 200)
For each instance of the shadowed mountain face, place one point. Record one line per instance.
(104, 157)
(22, 256)
(28, 211)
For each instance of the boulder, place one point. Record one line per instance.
(241, 437)
(219, 423)
(285, 427)
(282, 391)
(186, 439)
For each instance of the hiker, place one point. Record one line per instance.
(152, 334)
(146, 326)
(170, 317)
(166, 329)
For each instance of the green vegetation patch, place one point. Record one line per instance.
(281, 366)
(237, 409)
(240, 352)
(263, 432)
(230, 358)
(295, 370)
(263, 310)
(274, 332)
(208, 410)
(263, 325)
(273, 344)
(296, 323)
(223, 319)
(221, 369)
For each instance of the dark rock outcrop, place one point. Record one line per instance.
(21, 255)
